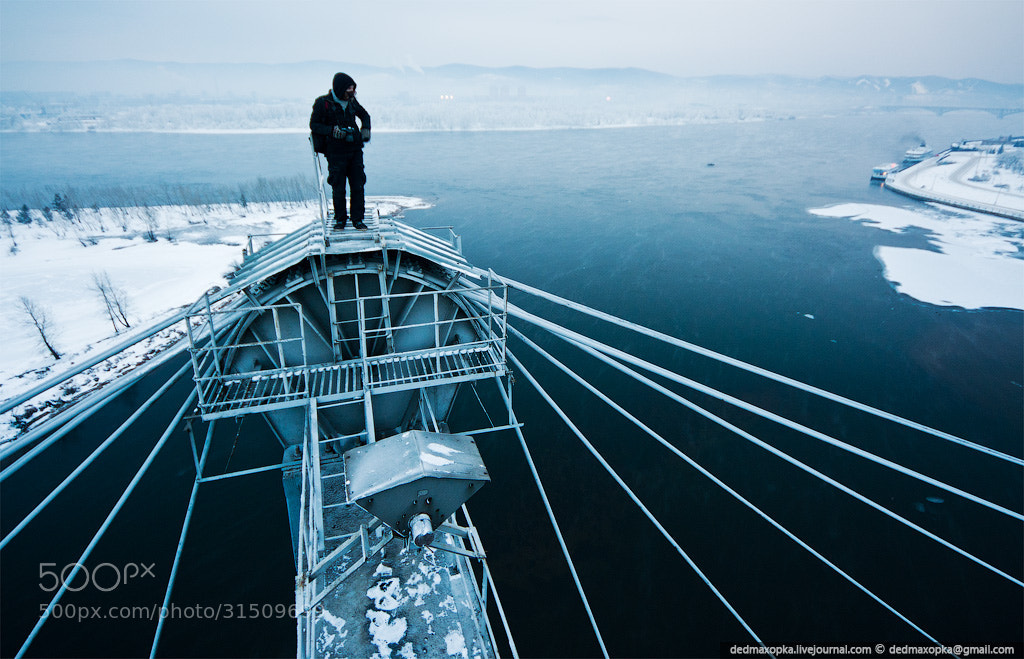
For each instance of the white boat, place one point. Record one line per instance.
(880, 172)
(917, 154)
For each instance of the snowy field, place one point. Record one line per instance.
(979, 262)
(54, 265)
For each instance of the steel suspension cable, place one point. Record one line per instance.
(714, 479)
(666, 338)
(551, 517)
(575, 337)
(622, 484)
(53, 428)
(92, 456)
(52, 382)
(494, 590)
(109, 520)
(181, 538)
(810, 470)
(65, 420)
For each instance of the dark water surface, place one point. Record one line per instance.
(634, 222)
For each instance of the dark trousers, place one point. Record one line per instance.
(342, 167)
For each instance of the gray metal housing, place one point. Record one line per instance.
(416, 472)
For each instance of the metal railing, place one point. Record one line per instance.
(321, 182)
(479, 589)
(360, 546)
(287, 380)
(488, 322)
(253, 246)
(453, 239)
(311, 587)
(284, 378)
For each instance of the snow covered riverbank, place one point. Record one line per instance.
(982, 180)
(52, 263)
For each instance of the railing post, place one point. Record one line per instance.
(308, 529)
(504, 329)
(278, 338)
(483, 592)
(318, 168)
(371, 432)
(213, 336)
(316, 502)
(437, 333)
(490, 303)
(302, 341)
(302, 586)
(361, 317)
(195, 363)
(303, 568)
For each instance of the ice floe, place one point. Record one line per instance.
(977, 261)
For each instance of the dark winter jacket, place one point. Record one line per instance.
(327, 113)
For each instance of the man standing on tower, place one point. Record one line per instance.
(337, 135)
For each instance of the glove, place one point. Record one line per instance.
(366, 135)
(337, 132)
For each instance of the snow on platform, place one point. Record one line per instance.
(406, 602)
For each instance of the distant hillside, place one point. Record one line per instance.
(134, 95)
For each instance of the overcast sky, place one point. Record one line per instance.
(952, 38)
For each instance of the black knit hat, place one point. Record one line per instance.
(342, 81)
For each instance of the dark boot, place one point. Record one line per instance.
(358, 200)
(340, 214)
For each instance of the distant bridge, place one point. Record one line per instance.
(943, 109)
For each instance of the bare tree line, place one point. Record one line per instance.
(64, 214)
(81, 213)
(296, 189)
